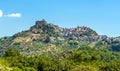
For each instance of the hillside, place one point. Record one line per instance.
(48, 47)
(53, 35)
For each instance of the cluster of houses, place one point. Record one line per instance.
(79, 33)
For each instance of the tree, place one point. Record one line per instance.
(9, 52)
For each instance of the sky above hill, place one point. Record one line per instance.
(103, 16)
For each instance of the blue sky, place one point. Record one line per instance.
(103, 16)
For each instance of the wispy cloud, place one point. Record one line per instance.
(14, 15)
(1, 13)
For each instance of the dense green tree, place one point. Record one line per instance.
(9, 52)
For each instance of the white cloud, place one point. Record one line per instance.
(14, 15)
(17, 15)
(1, 13)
